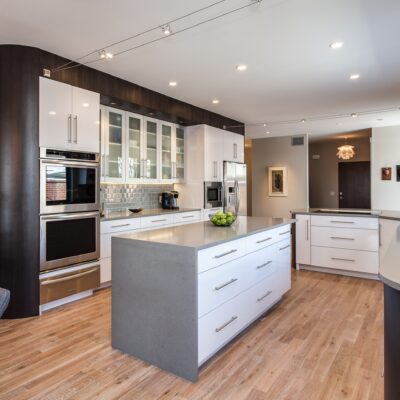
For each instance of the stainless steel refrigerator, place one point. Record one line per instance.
(235, 188)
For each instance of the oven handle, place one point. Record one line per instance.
(49, 281)
(72, 163)
(70, 216)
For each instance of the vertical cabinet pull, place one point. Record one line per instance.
(307, 230)
(76, 128)
(69, 134)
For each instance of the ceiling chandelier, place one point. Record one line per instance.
(346, 151)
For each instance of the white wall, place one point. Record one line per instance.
(278, 152)
(385, 152)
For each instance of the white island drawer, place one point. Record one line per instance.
(157, 220)
(345, 222)
(266, 238)
(350, 260)
(217, 255)
(119, 225)
(345, 238)
(187, 217)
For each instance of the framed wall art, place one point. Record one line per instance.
(277, 182)
(386, 174)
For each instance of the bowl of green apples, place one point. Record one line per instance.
(221, 219)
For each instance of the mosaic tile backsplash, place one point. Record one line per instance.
(127, 195)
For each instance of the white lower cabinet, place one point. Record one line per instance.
(231, 295)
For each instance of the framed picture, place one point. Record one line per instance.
(277, 182)
(386, 174)
(398, 173)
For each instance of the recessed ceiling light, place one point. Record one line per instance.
(336, 45)
(268, 132)
(173, 83)
(85, 104)
(241, 67)
(354, 77)
(264, 125)
(52, 113)
(303, 120)
(215, 101)
(354, 115)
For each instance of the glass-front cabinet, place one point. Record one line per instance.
(138, 149)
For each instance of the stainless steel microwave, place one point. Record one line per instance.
(213, 194)
(69, 181)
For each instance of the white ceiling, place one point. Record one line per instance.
(292, 73)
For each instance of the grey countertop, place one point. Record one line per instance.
(204, 234)
(122, 213)
(386, 214)
(389, 270)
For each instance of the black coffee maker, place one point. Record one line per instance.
(169, 200)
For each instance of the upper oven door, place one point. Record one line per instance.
(67, 239)
(68, 186)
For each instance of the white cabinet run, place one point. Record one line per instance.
(69, 117)
(303, 242)
(233, 149)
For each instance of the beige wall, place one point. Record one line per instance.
(324, 176)
(278, 152)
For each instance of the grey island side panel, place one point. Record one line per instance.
(154, 304)
(389, 270)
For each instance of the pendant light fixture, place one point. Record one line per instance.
(346, 151)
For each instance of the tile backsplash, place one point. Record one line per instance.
(128, 195)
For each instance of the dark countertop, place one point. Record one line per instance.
(123, 213)
(201, 235)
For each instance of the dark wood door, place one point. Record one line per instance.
(355, 184)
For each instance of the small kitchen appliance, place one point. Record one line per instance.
(169, 200)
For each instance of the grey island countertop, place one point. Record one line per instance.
(122, 213)
(204, 234)
(385, 214)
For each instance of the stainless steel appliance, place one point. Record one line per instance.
(69, 181)
(235, 188)
(213, 194)
(67, 239)
(169, 200)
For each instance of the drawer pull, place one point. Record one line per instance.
(265, 295)
(264, 265)
(158, 220)
(284, 233)
(225, 284)
(342, 222)
(226, 324)
(283, 248)
(341, 238)
(120, 226)
(188, 216)
(67, 278)
(226, 254)
(342, 259)
(263, 240)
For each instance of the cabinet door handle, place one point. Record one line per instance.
(341, 238)
(307, 230)
(225, 284)
(226, 324)
(226, 254)
(342, 222)
(234, 150)
(76, 128)
(284, 233)
(265, 295)
(120, 226)
(263, 240)
(283, 248)
(158, 220)
(380, 235)
(188, 216)
(69, 135)
(342, 259)
(264, 265)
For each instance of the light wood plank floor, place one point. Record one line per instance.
(324, 341)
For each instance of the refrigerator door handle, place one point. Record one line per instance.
(237, 197)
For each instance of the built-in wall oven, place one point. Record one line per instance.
(67, 239)
(213, 194)
(69, 181)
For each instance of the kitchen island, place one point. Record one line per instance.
(182, 293)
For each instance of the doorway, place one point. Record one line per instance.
(355, 184)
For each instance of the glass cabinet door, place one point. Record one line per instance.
(134, 126)
(114, 153)
(166, 151)
(180, 153)
(151, 150)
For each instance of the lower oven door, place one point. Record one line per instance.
(67, 239)
(69, 283)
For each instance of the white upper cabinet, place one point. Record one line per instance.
(152, 128)
(213, 154)
(178, 154)
(233, 147)
(68, 117)
(134, 147)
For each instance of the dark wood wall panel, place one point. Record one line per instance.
(129, 96)
(19, 178)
